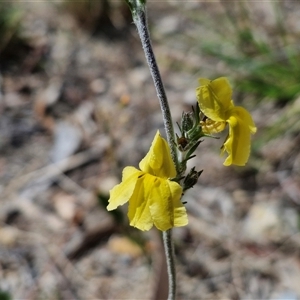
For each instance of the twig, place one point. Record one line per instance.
(47, 174)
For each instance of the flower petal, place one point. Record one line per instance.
(156, 201)
(122, 192)
(245, 116)
(138, 210)
(221, 87)
(214, 98)
(237, 145)
(158, 161)
(165, 206)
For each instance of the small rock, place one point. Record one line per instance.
(122, 245)
(65, 205)
(169, 24)
(9, 236)
(106, 184)
(98, 86)
(263, 223)
(67, 139)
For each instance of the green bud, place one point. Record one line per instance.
(191, 179)
(136, 5)
(187, 121)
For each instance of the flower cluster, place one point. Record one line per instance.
(215, 102)
(154, 192)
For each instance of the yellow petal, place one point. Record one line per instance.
(204, 81)
(122, 192)
(138, 210)
(166, 209)
(237, 145)
(214, 98)
(156, 201)
(158, 161)
(222, 89)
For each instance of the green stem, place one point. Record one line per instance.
(170, 258)
(140, 20)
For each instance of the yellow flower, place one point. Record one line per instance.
(214, 98)
(153, 198)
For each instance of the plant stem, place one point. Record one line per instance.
(170, 258)
(140, 20)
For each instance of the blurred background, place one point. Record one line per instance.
(77, 105)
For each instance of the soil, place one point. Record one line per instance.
(77, 105)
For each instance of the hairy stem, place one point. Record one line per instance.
(170, 257)
(140, 20)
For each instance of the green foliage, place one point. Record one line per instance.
(264, 59)
(288, 123)
(4, 295)
(10, 17)
(268, 74)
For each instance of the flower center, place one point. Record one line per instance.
(209, 126)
